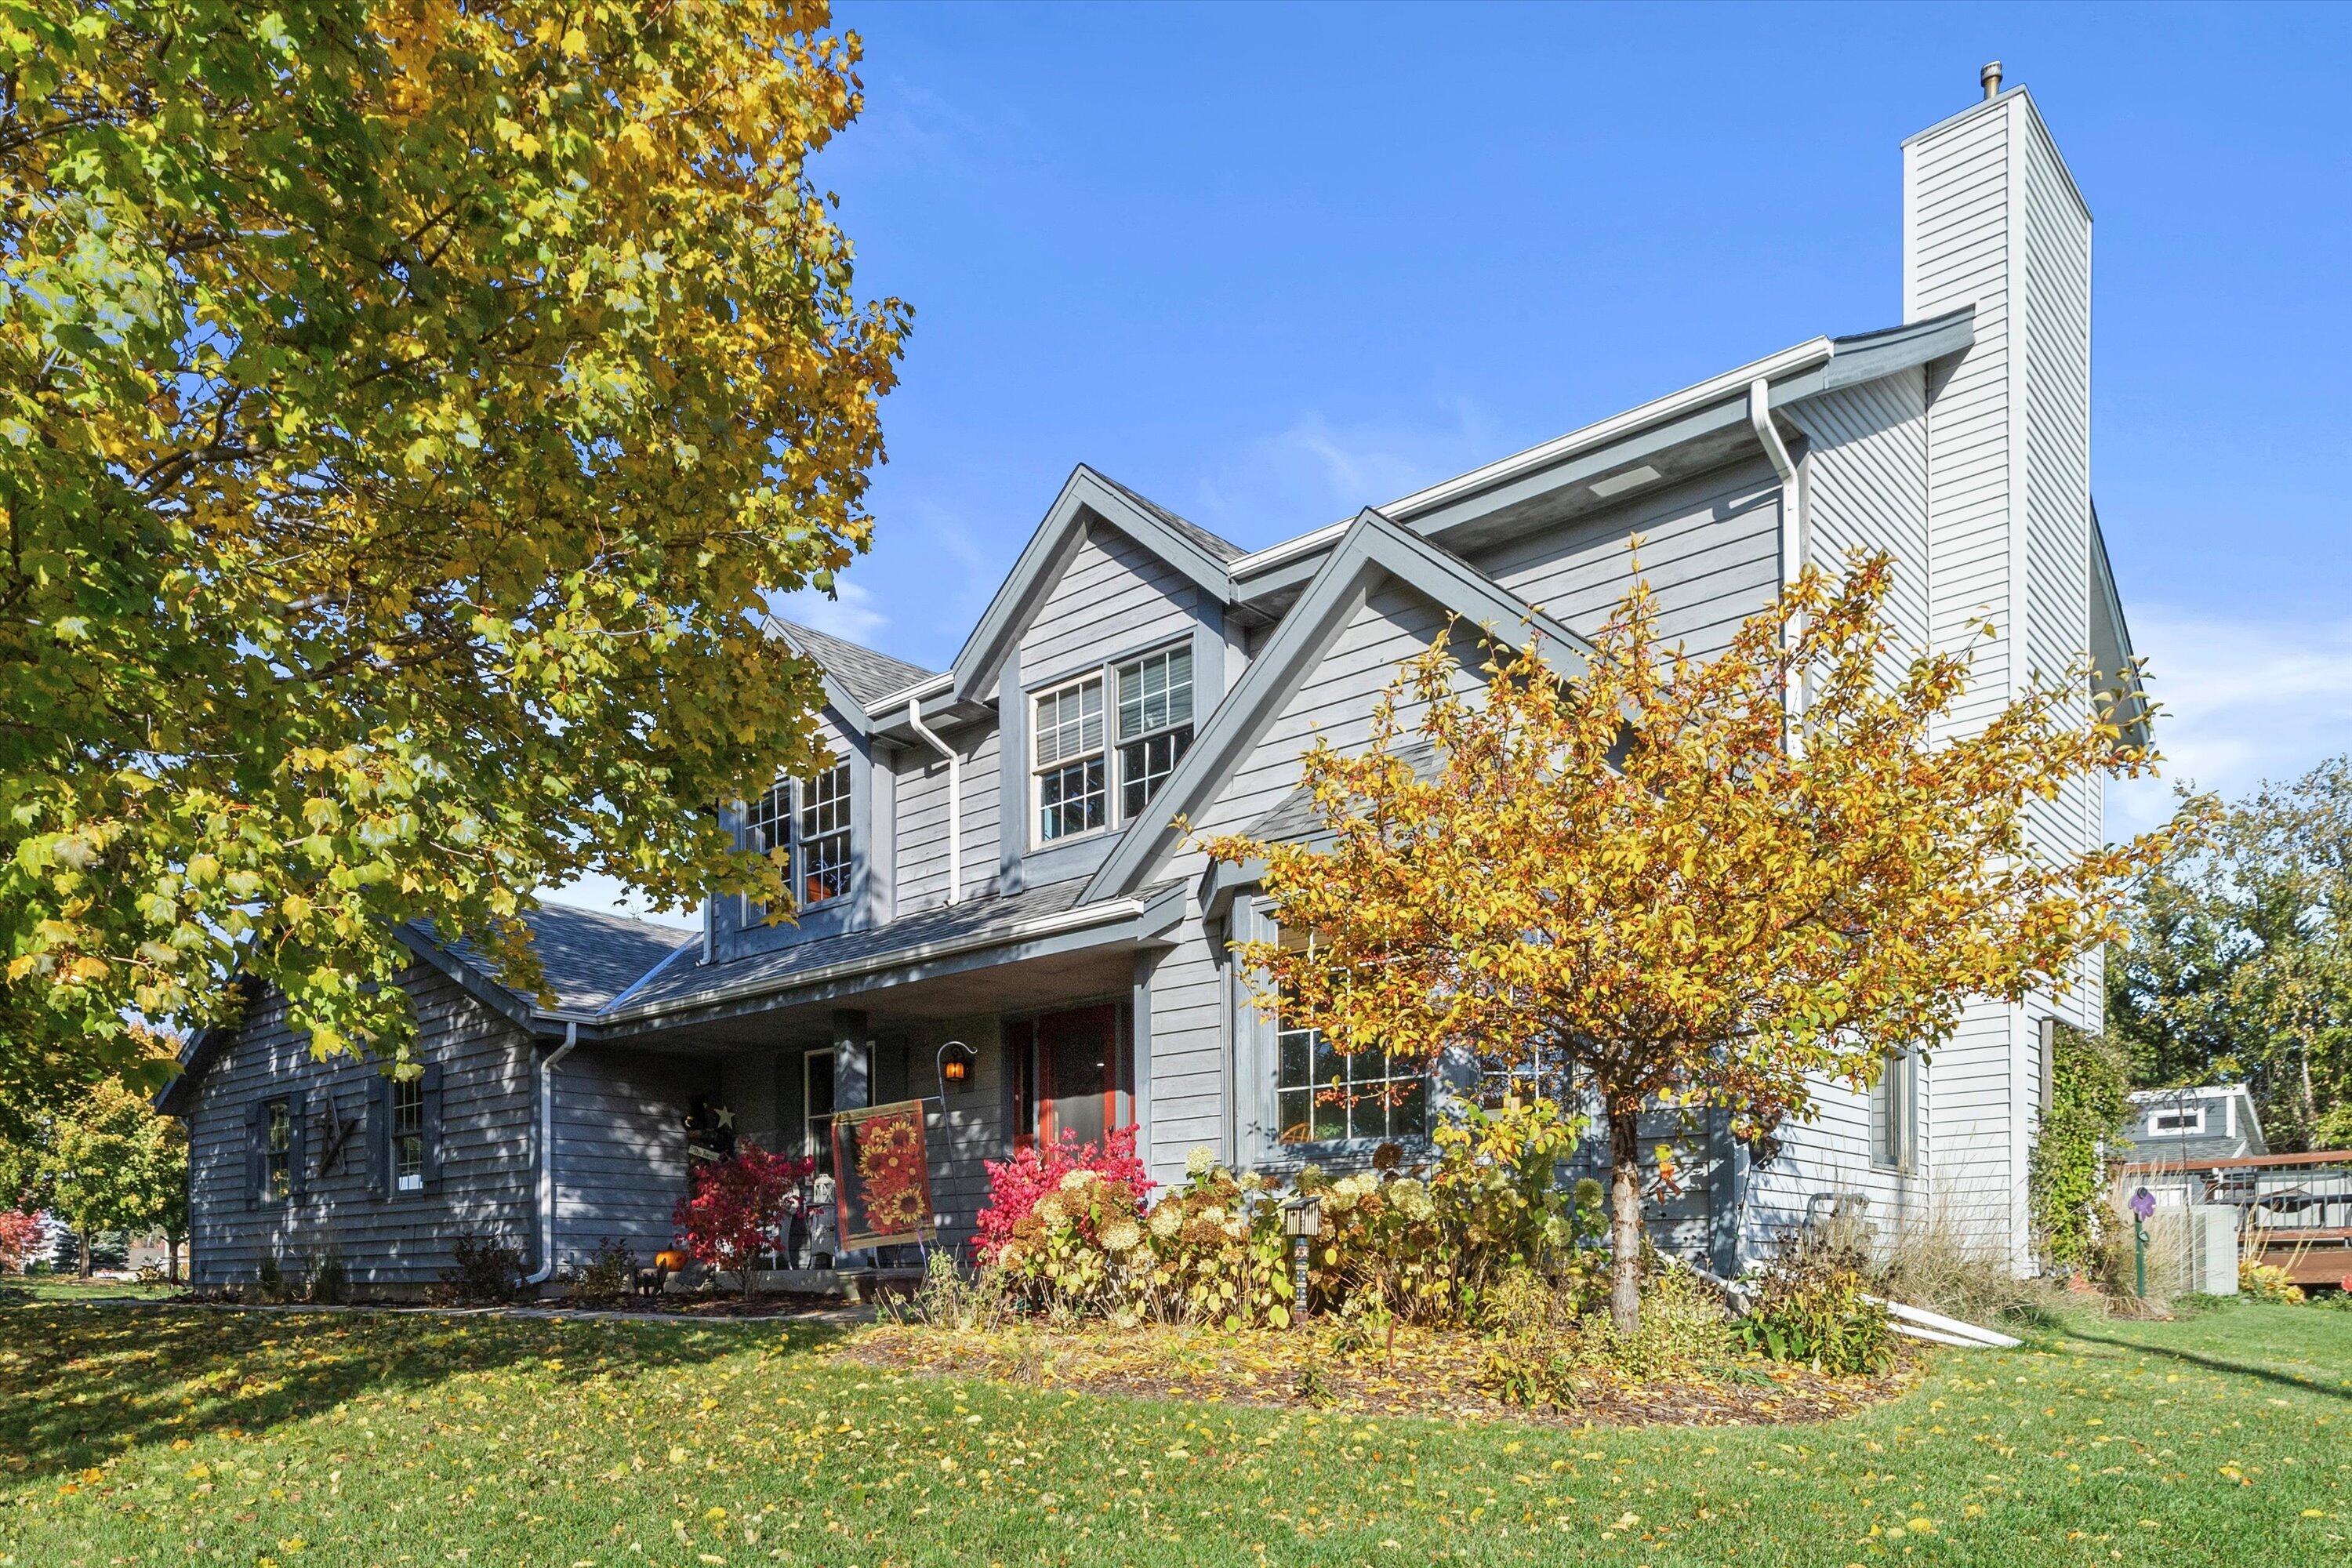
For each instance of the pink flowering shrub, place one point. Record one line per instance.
(1016, 1186)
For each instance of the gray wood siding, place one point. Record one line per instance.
(1710, 551)
(922, 804)
(1867, 488)
(1114, 598)
(483, 1182)
(620, 1147)
(1191, 1053)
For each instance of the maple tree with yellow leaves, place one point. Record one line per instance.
(404, 408)
(1653, 873)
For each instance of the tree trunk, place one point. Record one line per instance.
(82, 1239)
(172, 1258)
(1625, 1219)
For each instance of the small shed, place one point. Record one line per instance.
(2210, 1121)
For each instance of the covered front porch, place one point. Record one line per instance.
(1050, 1046)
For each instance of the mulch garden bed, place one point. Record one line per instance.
(1428, 1373)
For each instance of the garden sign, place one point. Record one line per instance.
(882, 1175)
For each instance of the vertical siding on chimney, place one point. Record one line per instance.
(1993, 219)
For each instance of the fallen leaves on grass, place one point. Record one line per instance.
(1427, 1373)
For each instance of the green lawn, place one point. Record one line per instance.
(161, 1435)
(66, 1288)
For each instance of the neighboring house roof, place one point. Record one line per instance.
(2211, 1142)
(867, 674)
(1372, 547)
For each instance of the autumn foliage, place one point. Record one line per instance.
(1648, 870)
(1016, 1186)
(738, 1207)
(20, 1233)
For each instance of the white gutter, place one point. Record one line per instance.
(881, 706)
(546, 1270)
(955, 797)
(1792, 527)
(1788, 362)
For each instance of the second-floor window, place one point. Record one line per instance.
(810, 819)
(1073, 797)
(1076, 744)
(1155, 724)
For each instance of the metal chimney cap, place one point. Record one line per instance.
(1990, 77)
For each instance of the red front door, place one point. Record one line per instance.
(1080, 1073)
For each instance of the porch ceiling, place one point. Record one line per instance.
(1027, 985)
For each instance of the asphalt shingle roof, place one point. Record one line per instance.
(975, 920)
(589, 958)
(868, 673)
(1221, 548)
(1295, 817)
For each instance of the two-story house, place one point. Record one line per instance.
(991, 859)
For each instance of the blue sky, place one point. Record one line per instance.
(1269, 266)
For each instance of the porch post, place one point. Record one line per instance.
(853, 1060)
(853, 1088)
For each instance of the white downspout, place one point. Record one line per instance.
(955, 797)
(546, 1270)
(1793, 528)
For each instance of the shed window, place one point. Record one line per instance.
(2177, 1118)
(408, 1135)
(278, 1149)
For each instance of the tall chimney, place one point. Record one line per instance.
(1990, 77)
(1992, 221)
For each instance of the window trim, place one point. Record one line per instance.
(1263, 1145)
(271, 1108)
(793, 793)
(1105, 673)
(393, 1136)
(1896, 1123)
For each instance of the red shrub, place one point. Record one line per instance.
(20, 1233)
(737, 1208)
(1015, 1186)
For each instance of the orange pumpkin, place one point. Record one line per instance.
(671, 1262)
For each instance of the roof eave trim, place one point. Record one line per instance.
(1374, 544)
(1111, 912)
(1048, 550)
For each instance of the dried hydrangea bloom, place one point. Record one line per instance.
(1167, 1220)
(1121, 1236)
(1199, 1161)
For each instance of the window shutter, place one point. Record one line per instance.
(257, 1131)
(297, 1143)
(379, 1140)
(432, 1172)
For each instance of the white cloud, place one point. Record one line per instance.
(847, 612)
(1317, 471)
(2242, 701)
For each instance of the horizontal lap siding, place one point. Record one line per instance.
(970, 1127)
(620, 1147)
(1710, 551)
(922, 828)
(483, 1183)
(1866, 490)
(1189, 1055)
(1114, 598)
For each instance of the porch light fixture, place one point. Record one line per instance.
(955, 1064)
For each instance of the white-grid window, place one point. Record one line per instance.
(823, 853)
(408, 1135)
(1073, 797)
(1155, 724)
(809, 819)
(1322, 1096)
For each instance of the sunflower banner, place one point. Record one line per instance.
(882, 1174)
